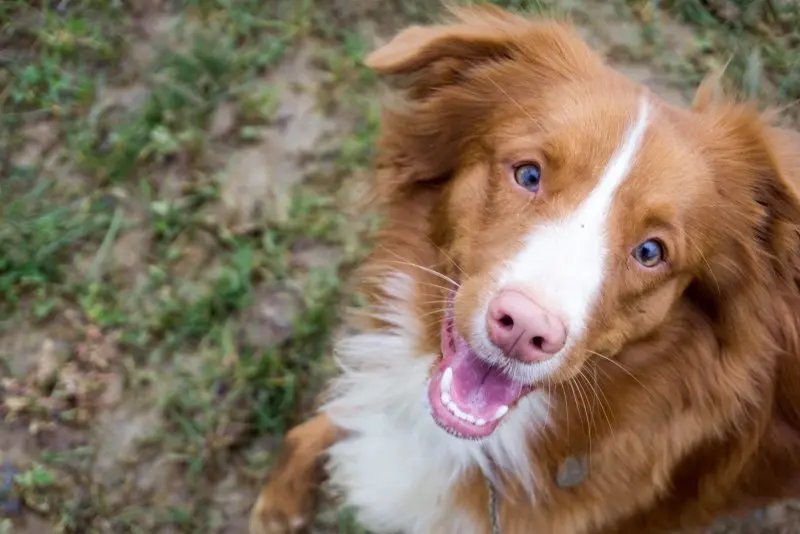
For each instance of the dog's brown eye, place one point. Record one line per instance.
(528, 175)
(649, 253)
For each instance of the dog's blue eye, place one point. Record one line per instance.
(528, 175)
(649, 253)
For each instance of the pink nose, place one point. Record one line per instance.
(522, 329)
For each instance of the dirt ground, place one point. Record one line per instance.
(177, 182)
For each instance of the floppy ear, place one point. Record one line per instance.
(456, 75)
(781, 237)
(440, 55)
(477, 32)
(775, 190)
(784, 205)
(758, 169)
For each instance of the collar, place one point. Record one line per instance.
(571, 473)
(494, 516)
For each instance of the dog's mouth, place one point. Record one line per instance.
(468, 397)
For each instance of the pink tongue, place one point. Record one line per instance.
(477, 388)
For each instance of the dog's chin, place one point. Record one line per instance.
(469, 397)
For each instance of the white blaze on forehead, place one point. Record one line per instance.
(563, 262)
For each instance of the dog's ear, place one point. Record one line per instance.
(757, 168)
(781, 238)
(783, 201)
(751, 162)
(459, 76)
(438, 55)
(476, 33)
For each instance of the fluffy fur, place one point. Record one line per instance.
(395, 444)
(679, 385)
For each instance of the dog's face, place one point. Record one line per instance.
(575, 209)
(572, 237)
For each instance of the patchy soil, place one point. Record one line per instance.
(177, 228)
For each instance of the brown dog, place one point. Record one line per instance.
(585, 314)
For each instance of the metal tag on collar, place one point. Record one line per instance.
(572, 472)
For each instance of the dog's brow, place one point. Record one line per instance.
(623, 160)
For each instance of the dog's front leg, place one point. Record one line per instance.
(286, 501)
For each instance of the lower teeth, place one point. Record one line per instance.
(447, 402)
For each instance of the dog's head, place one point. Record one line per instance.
(570, 214)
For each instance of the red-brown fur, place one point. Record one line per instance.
(698, 414)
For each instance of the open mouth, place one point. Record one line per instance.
(468, 397)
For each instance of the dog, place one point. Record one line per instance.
(583, 309)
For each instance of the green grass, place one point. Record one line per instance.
(758, 41)
(103, 175)
(178, 332)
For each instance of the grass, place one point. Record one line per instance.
(117, 128)
(59, 240)
(756, 42)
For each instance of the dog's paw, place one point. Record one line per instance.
(278, 511)
(286, 503)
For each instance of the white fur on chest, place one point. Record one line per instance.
(397, 467)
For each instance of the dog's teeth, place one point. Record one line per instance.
(447, 380)
(458, 413)
(501, 411)
(447, 401)
(453, 409)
